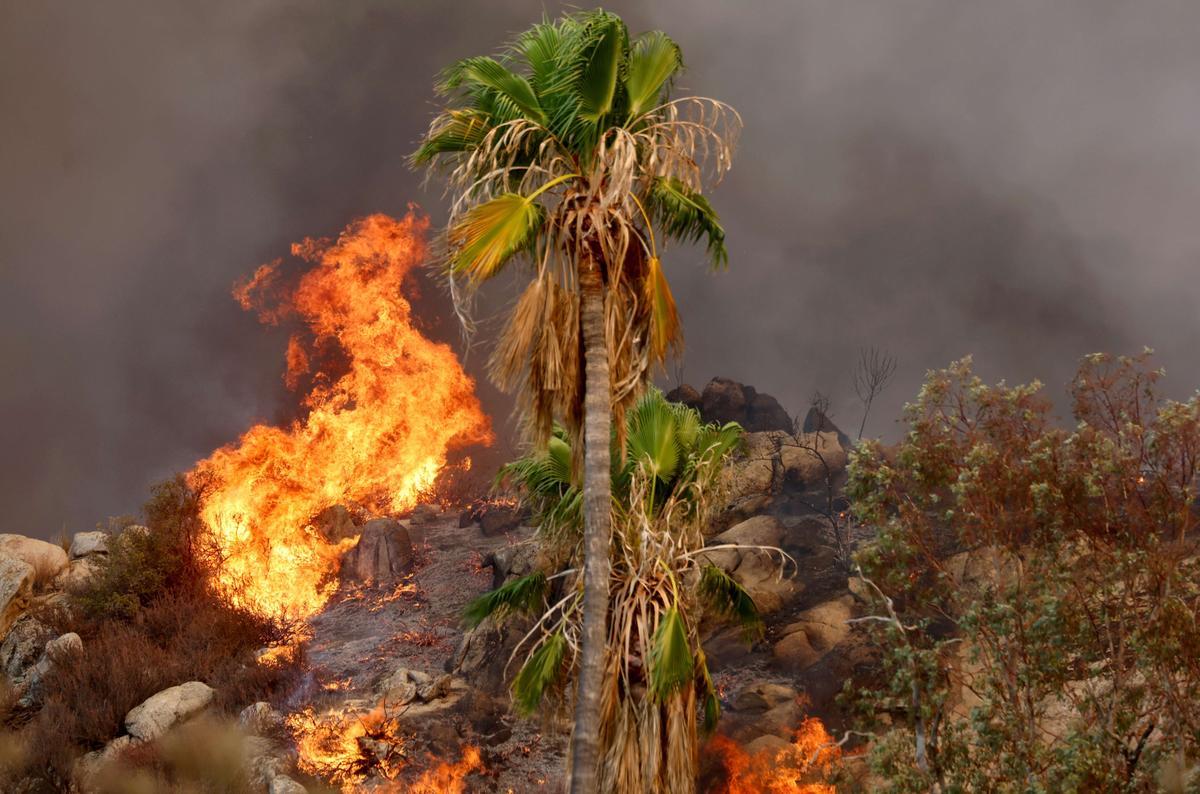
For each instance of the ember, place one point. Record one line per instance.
(376, 433)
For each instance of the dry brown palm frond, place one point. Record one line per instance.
(690, 139)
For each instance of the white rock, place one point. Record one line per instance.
(260, 719)
(46, 559)
(282, 784)
(77, 574)
(85, 543)
(164, 710)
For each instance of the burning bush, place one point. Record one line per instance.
(1039, 588)
(149, 619)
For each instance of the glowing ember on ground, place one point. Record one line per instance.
(798, 768)
(377, 430)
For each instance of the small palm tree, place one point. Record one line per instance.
(664, 488)
(565, 152)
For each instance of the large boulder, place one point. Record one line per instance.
(88, 543)
(726, 400)
(78, 573)
(758, 570)
(809, 458)
(60, 650)
(162, 711)
(46, 559)
(384, 553)
(16, 589)
(816, 632)
(816, 421)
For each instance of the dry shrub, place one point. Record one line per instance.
(149, 620)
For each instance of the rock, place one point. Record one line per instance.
(384, 553)
(57, 651)
(16, 588)
(500, 520)
(282, 784)
(260, 719)
(815, 421)
(23, 646)
(436, 689)
(166, 709)
(686, 395)
(765, 413)
(85, 543)
(757, 531)
(763, 696)
(335, 524)
(89, 766)
(509, 561)
(723, 400)
(810, 457)
(767, 745)
(77, 574)
(759, 571)
(815, 633)
(46, 559)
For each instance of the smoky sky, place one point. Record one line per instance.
(1016, 180)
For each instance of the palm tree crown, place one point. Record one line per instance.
(563, 146)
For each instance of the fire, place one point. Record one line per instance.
(379, 422)
(448, 778)
(795, 769)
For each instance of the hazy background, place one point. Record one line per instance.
(1017, 180)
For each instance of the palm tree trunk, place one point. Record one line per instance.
(597, 514)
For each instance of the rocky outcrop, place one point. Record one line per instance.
(384, 553)
(816, 632)
(166, 709)
(60, 650)
(22, 647)
(46, 559)
(725, 400)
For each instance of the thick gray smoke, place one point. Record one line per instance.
(1015, 180)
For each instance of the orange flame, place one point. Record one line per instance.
(448, 778)
(376, 435)
(795, 769)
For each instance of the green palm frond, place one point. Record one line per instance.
(671, 662)
(728, 599)
(687, 427)
(712, 701)
(606, 41)
(539, 672)
(490, 234)
(525, 594)
(651, 440)
(654, 59)
(686, 215)
(509, 94)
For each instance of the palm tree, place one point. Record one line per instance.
(664, 488)
(565, 152)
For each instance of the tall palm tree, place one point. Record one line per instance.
(665, 485)
(564, 151)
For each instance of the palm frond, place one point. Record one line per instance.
(540, 671)
(601, 65)
(686, 215)
(452, 132)
(520, 595)
(728, 599)
(666, 332)
(491, 233)
(670, 657)
(712, 701)
(654, 59)
(510, 93)
(651, 440)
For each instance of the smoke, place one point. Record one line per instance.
(1014, 180)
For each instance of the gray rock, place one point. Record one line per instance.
(16, 588)
(282, 784)
(57, 651)
(78, 573)
(162, 711)
(85, 543)
(23, 647)
(260, 719)
(384, 553)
